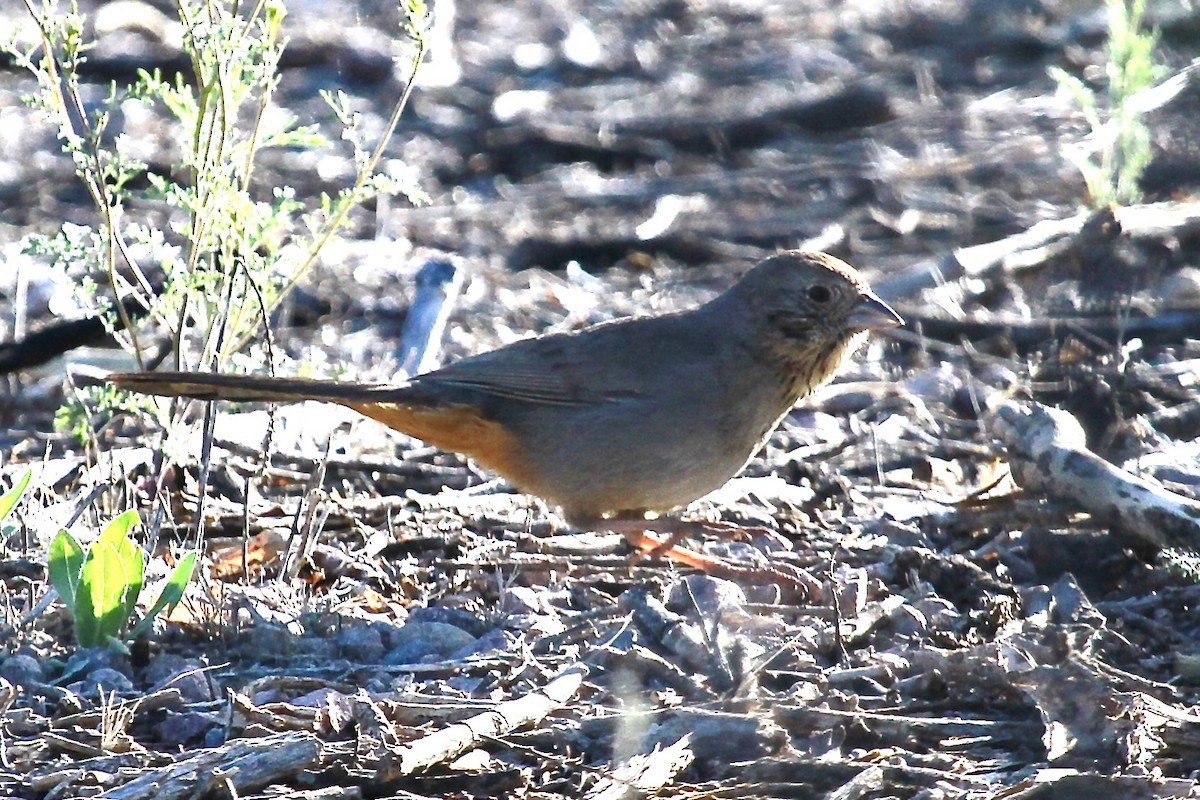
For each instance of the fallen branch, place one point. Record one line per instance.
(243, 765)
(1034, 247)
(1172, 325)
(1048, 452)
(506, 717)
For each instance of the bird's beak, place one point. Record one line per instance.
(872, 314)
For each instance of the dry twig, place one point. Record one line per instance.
(1049, 453)
(506, 717)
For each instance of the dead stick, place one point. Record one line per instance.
(248, 764)
(1031, 248)
(506, 717)
(1048, 451)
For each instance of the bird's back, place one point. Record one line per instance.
(640, 414)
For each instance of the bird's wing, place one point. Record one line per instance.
(604, 364)
(547, 370)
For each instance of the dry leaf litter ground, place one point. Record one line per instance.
(377, 619)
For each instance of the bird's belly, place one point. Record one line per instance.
(596, 490)
(646, 463)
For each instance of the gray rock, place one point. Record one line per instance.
(21, 670)
(427, 641)
(177, 672)
(362, 643)
(471, 623)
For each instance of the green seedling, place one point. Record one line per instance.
(9, 501)
(101, 586)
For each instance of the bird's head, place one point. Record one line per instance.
(812, 309)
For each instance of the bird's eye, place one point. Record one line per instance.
(819, 293)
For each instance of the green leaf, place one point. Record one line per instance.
(64, 562)
(110, 582)
(172, 593)
(9, 500)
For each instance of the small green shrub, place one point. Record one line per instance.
(1122, 153)
(82, 405)
(231, 250)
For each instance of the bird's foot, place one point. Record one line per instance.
(649, 544)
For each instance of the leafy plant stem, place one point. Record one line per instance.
(334, 223)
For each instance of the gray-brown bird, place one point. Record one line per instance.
(624, 419)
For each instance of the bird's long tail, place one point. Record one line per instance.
(417, 410)
(217, 386)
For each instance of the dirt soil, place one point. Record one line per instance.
(1007, 601)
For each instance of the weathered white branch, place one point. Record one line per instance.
(243, 766)
(506, 717)
(1048, 452)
